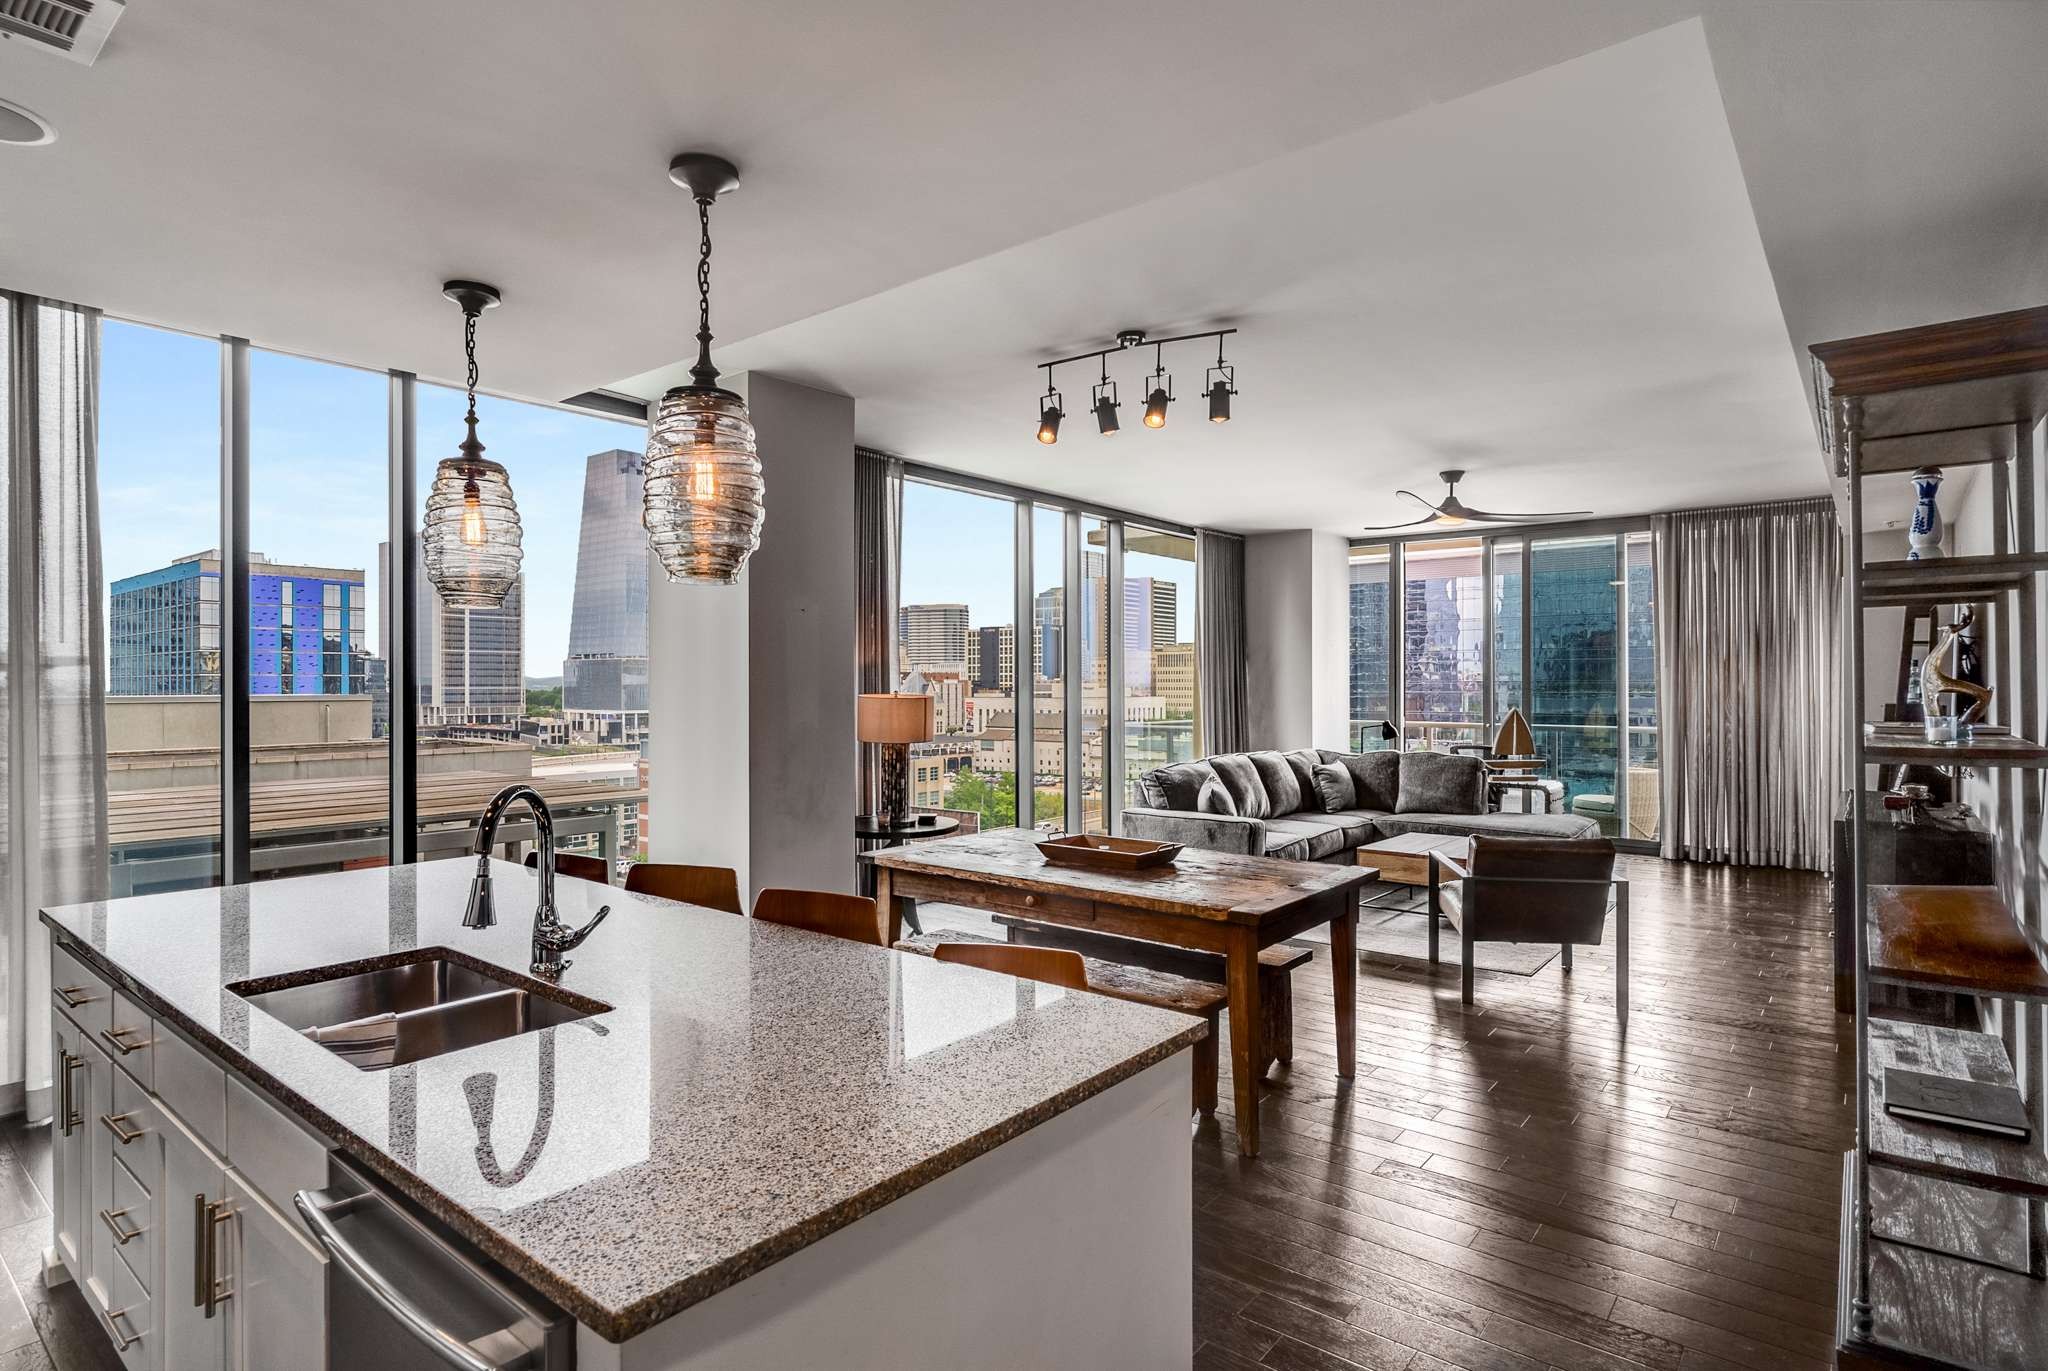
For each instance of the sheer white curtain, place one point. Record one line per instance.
(52, 705)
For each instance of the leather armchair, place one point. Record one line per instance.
(1532, 890)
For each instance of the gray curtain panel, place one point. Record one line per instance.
(1219, 607)
(878, 506)
(53, 777)
(1748, 652)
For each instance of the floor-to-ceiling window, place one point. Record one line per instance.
(1372, 637)
(1443, 641)
(1559, 624)
(1052, 650)
(1160, 704)
(159, 495)
(956, 640)
(550, 686)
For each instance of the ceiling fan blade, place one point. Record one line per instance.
(1428, 518)
(1417, 499)
(1484, 516)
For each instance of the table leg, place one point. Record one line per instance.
(1247, 1056)
(1344, 982)
(885, 905)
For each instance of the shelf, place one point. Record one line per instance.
(1929, 392)
(1997, 751)
(1952, 937)
(1970, 445)
(1930, 1149)
(1932, 1310)
(1944, 580)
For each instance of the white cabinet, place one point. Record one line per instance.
(189, 1263)
(193, 1200)
(280, 1288)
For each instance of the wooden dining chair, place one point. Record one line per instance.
(570, 864)
(714, 887)
(1051, 965)
(852, 917)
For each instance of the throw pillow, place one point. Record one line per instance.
(1241, 779)
(1376, 776)
(1214, 798)
(1179, 786)
(1441, 783)
(1334, 788)
(1276, 773)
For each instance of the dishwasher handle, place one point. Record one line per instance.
(318, 1208)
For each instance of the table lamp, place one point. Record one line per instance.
(895, 722)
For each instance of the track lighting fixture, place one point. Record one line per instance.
(1158, 392)
(1050, 413)
(1103, 401)
(1222, 385)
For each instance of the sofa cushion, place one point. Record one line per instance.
(1241, 779)
(1441, 783)
(1334, 788)
(1283, 791)
(1375, 776)
(1361, 826)
(1305, 763)
(1500, 825)
(1174, 787)
(1303, 838)
(1215, 798)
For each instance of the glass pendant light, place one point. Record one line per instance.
(470, 539)
(702, 504)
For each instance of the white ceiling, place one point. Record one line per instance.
(1590, 285)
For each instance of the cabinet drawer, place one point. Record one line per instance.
(129, 1222)
(127, 1315)
(133, 1129)
(79, 992)
(272, 1150)
(1064, 907)
(130, 1037)
(192, 1087)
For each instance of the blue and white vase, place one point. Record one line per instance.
(1925, 535)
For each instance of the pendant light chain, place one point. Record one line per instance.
(469, 317)
(704, 373)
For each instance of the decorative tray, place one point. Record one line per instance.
(1108, 854)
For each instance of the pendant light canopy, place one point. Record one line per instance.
(470, 539)
(702, 507)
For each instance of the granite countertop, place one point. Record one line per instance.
(752, 1089)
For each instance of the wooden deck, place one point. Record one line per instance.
(1511, 1187)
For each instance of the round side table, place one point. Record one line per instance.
(870, 836)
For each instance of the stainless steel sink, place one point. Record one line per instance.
(406, 1012)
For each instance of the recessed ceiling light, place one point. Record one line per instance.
(24, 127)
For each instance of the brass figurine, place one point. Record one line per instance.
(1935, 681)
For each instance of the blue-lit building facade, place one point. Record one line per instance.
(306, 630)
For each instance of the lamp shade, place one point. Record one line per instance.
(894, 719)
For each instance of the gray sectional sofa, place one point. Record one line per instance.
(1323, 806)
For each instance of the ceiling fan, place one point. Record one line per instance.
(1452, 512)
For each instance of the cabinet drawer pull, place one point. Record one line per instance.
(122, 1342)
(67, 1106)
(74, 995)
(119, 1038)
(206, 1219)
(117, 1124)
(1031, 902)
(123, 1236)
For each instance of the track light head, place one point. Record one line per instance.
(1049, 422)
(1222, 385)
(1155, 408)
(1104, 403)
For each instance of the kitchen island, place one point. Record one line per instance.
(744, 1145)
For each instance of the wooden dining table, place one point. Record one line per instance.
(1214, 902)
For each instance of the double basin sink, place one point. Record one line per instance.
(421, 1007)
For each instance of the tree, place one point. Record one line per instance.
(995, 800)
(543, 701)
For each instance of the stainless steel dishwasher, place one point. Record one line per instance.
(403, 1292)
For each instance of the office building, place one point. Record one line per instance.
(306, 629)
(469, 661)
(604, 677)
(931, 635)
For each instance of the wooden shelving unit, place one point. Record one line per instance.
(1944, 1258)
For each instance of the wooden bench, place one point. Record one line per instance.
(1276, 995)
(1139, 985)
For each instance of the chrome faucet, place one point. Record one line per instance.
(551, 937)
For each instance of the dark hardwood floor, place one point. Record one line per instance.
(1513, 1186)
(1505, 1188)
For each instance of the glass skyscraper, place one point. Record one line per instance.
(306, 630)
(604, 678)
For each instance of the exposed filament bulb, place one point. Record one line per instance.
(472, 515)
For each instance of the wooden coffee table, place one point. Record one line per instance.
(1404, 859)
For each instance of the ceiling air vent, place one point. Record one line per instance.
(75, 28)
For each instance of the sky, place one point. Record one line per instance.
(318, 444)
